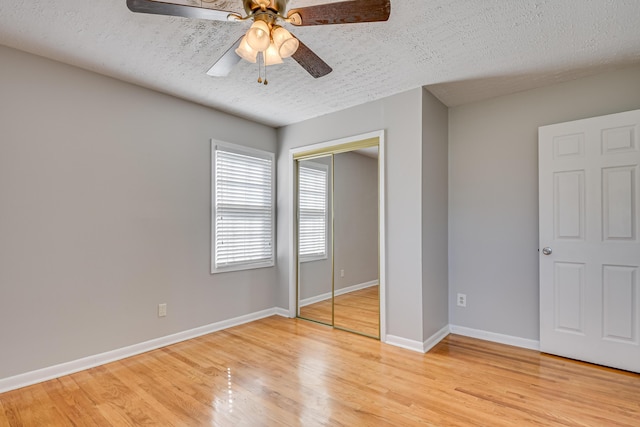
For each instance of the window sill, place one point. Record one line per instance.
(313, 258)
(241, 267)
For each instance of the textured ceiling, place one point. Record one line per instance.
(463, 50)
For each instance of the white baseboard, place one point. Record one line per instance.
(356, 287)
(282, 312)
(430, 342)
(327, 295)
(56, 371)
(494, 337)
(434, 339)
(313, 300)
(404, 343)
(421, 347)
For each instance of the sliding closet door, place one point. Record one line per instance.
(315, 269)
(356, 284)
(337, 202)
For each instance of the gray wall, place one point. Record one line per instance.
(105, 205)
(493, 195)
(400, 115)
(105, 212)
(435, 280)
(410, 183)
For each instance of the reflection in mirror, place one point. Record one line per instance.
(356, 284)
(315, 285)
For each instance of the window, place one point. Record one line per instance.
(242, 208)
(312, 234)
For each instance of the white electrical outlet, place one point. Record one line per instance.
(162, 310)
(462, 300)
(341, 273)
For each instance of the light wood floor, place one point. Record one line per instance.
(358, 311)
(289, 372)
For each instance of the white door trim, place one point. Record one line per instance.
(381, 212)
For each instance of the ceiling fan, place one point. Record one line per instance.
(267, 42)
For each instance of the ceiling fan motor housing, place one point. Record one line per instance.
(278, 6)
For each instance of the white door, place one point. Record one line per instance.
(589, 185)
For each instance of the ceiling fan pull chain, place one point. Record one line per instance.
(266, 82)
(259, 69)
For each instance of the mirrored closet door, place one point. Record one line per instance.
(337, 204)
(315, 251)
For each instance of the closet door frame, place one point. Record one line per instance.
(338, 146)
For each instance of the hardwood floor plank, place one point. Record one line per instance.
(358, 311)
(289, 372)
(8, 413)
(65, 394)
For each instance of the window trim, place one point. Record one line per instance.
(248, 151)
(324, 168)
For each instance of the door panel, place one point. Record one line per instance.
(619, 284)
(589, 213)
(618, 200)
(569, 297)
(619, 140)
(569, 205)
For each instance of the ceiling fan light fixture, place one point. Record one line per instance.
(286, 44)
(259, 36)
(246, 52)
(271, 55)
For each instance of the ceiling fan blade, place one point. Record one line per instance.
(310, 61)
(345, 12)
(170, 9)
(225, 64)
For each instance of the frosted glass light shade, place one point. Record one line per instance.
(285, 42)
(245, 51)
(259, 36)
(271, 55)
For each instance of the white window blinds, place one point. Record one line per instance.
(312, 233)
(243, 223)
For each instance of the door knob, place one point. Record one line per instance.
(547, 251)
